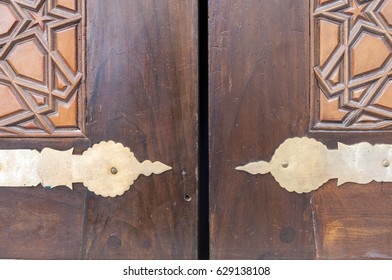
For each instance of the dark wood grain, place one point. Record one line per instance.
(41, 224)
(259, 96)
(142, 85)
(353, 221)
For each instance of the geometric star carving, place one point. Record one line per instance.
(41, 68)
(352, 64)
(357, 11)
(40, 18)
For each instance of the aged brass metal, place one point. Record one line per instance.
(107, 169)
(303, 165)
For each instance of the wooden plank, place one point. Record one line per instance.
(142, 76)
(41, 224)
(259, 96)
(36, 223)
(353, 221)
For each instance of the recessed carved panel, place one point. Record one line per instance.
(41, 68)
(351, 64)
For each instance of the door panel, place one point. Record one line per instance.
(142, 72)
(351, 51)
(282, 69)
(139, 73)
(259, 96)
(41, 44)
(42, 69)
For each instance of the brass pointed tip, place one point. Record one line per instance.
(161, 167)
(241, 168)
(148, 168)
(260, 167)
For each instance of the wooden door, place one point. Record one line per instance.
(283, 69)
(76, 72)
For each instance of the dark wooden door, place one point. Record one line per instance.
(76, 72)
(283, 69)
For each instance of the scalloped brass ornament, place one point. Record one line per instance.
(303, 165)
(107, 169)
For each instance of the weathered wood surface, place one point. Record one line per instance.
(142, 76)
(141, 87)
(259, 85)
(259, 96)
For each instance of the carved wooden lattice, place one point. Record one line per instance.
(352, 60)
(41, 68)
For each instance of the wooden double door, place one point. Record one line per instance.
(203, 86)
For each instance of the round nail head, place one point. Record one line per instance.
(114, 170)
(285, 164)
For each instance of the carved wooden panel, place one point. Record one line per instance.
(41, 68)
(352, 64)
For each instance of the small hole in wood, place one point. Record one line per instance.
(386, 163)
(187, 197)
(285, 164)
(114, 242)
(114, 170)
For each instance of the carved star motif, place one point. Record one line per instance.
(357, 11)
(39, 19)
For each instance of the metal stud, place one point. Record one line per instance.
(114, 170)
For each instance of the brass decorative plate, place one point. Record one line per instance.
(107, 169)
(303, 165)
